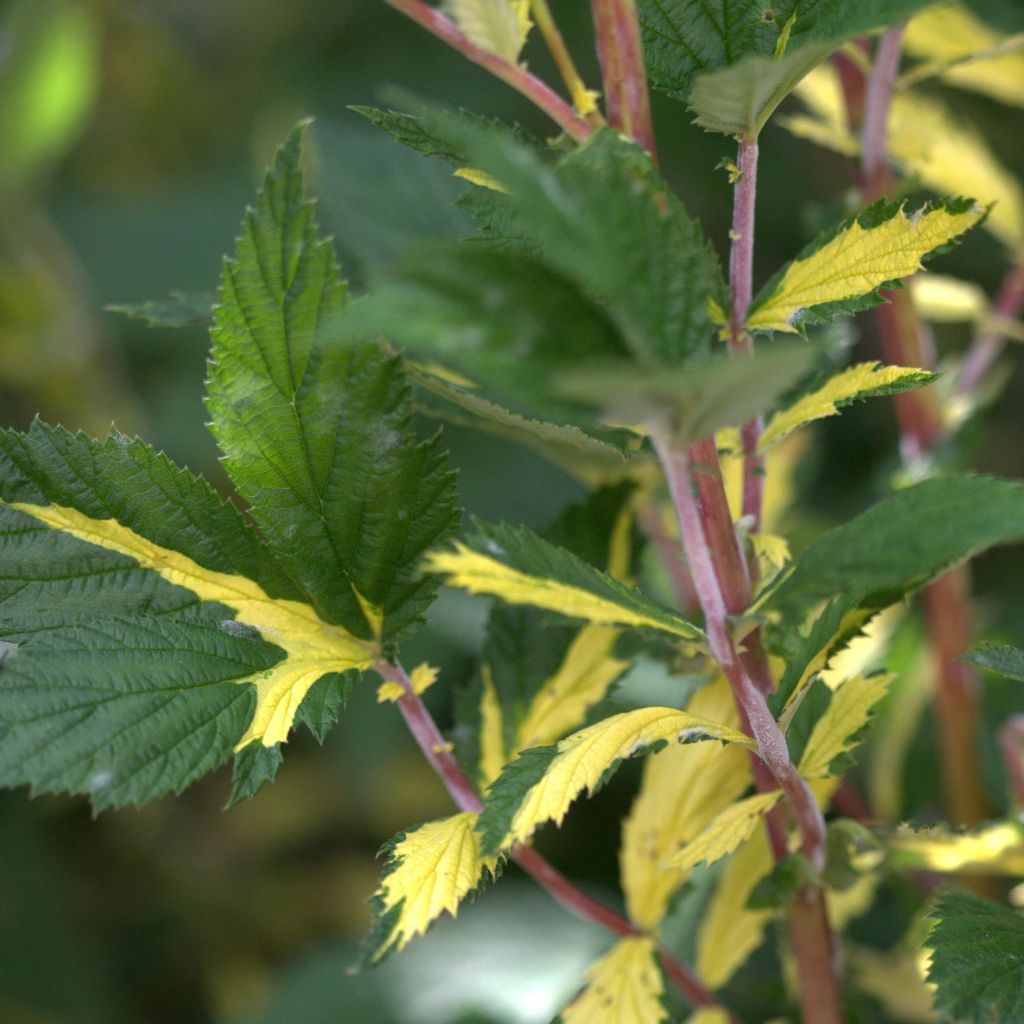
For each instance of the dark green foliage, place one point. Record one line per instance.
(900, 544)
(317, 438)
(977, 960)
(125, 708)
(323, 703)
(254, 766)
(686, 38)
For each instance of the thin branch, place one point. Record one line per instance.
(438, 752)
(622, 68)
(807, 917)
(878, 101)
(581, 96)
(988, 346)
(536, 91)
(1011, 745)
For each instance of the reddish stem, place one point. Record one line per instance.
(438, 752)
(946, 604)
(1011, 744)
(987, 347)
(622, 69)
(515, 75)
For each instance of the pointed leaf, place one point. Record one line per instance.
(497, 26)
(900, 544)
(837, 731)
(624, 987)
(521, 568)
(728, 830)
(317, 438)
(996, 848)
(542, 784)
(854, 384)
(1002, 658)
(430, 870)
(842, 272)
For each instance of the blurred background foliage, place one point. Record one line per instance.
(134, 132)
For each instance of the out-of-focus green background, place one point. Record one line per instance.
(132, 135)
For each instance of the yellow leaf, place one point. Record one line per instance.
(947, 299)
(833, 734)
(734, 826)
(430, 871)
(729, 932)
(947, 155)
(581, 760)
(771, 549)
(852, 384)
(710, 1015)
(951, 35)
(497, 26)
(480, 178)
(582, 679)
(421, 679)
(952, 158)
(996, 849)
(624, 987)
(492, 733)
(312, 647)
(480, 574)
(683, 788)
(858, 260)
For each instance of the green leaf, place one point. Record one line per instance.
(694, 401)
(899, 545)
(521, 568)
(179, 309)
(589, 457)
(605, 218)
(734, 61)
(843, 271)
(317, 438)
(786, 879)
(326, 698)
(125, 708)
(255, 765)
(1002, 658)
(977, 960)
(496, 317)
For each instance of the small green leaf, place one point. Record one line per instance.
(785, 880)
(977, 960)
(321, 706)
(179, 309)
(1001, 658)
(255, 765)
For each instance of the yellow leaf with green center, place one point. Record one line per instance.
(865, 380)
(522, 568)
(624, 987)
(727, 831)
(542, 783)
(431, 869)
(313, 648)
(883, 245)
